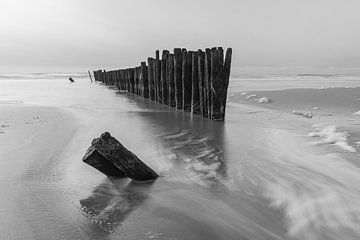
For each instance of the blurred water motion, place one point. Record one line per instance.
(250, 177)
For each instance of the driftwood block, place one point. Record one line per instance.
(110, 157)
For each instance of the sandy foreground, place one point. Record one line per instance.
(48, 193)
(256, 176)
(32, 140)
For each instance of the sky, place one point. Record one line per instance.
(40, 35)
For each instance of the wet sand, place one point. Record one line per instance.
(254, 176)
(32, 142)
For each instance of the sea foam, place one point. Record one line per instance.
(331, 135)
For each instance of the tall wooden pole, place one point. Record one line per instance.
(178, 77)
(195, 93)
(145, 83)
(151, 78)
(170, 73)
(201, 59)
(217, 57)
(207, 68)
(164, 81)
(186, 80)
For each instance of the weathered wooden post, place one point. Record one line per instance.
(201, 59)
(153, 63)
(144, 80)
(186, 103)
(117, 78)
(90, 75)
(164, 79)
(127, 76)
(122, 80)
(104, 80)
(207, 86)
(138, 72)
(157, 55)
(225, 74)
(178, 77)
(132, 80)
(170, 77)
(151, 78)
(195, 101)
(157, 67)
(186, 79)
(217, 57)
(158, 83)
(135, 80)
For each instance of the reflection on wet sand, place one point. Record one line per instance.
(194, 143)
(111, 202)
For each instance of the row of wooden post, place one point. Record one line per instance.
(193, 81)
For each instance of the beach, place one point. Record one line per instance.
(286, 168)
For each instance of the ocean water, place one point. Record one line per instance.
(258, 175)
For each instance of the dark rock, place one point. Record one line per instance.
(71, 80)
(110, 157)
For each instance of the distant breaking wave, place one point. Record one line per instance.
(43, 75)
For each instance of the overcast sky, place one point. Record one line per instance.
(85, 34)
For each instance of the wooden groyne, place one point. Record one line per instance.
(192, 81)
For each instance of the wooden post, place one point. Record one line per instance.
(127, 80)
(138, 83)
(123, 83)
(178, 77)
(170, 77)
(195, 102)
(225, 74)
(216, 65)
(206, 87)
(157, 55)
(186, 81)
(158, 85)
(90, 75)
(117, 81)
(151, 78)
(104, 80)
(135, 80)
(201, 59)
(132, 80)
(155, 80)
(164, 79)
(187, 84)
(216, 82)
(144, 80)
